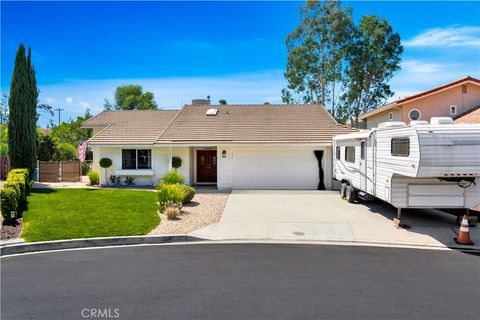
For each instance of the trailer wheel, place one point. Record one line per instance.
(343, 190)
(351, 194)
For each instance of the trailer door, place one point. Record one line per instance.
(363, 165)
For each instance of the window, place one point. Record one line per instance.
(453, 110)
(362, 150)
(414, 114)
(464, 88)
(400, 147)
(350, 154)
(136, 159)
(337, 153)
(390, 116)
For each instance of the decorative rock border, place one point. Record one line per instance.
(16, 248)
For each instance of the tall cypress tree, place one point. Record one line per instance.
(22, 135)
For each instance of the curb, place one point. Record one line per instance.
(18, 248)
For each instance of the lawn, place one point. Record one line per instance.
(55, 214)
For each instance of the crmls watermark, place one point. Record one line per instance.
(99, 313)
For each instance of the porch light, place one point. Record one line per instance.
(224, 154)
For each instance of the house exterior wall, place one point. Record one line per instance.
(435, 105)
(160, 162)
(374, 120)
(184, 154)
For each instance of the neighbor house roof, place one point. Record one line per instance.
(232, 124)
(129, 126)
(470, 116)
(396, 103)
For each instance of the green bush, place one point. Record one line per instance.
(94, 177)
(170, 193)
(15, 186)
(176, 162)
(105, 163)
(9, 203)
(65, 152)
(172, 177)
(22, 173)
(85, 168)
(189, 193)
(20, 181)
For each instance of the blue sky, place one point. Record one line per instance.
(228, 50)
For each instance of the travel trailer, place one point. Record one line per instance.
(420, 165)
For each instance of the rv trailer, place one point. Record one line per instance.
(420, 165)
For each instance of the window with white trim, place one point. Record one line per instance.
(390, 116)
(414, 114)
(136, 159)
(400, 147)
(350, 154)
(453, 110)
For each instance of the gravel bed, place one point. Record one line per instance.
(9, 232)
(205, 209)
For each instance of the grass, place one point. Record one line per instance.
(55, 214)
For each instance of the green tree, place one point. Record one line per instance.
(64, 152)
(132, 97)
(373, 58)
(22, 135)
(316, 52)
(71, 132)
(46, 147)
(222, 101)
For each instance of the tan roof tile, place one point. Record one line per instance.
(471, 116)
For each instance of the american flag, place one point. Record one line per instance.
(82, 151)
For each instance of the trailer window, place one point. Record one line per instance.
(400, 147)
(362, 150)
(350, 154)
(337, 153)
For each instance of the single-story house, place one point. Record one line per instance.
(230, 146)
(449, 100)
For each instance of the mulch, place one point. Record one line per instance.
(11, 231)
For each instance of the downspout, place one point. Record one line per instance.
(170, 155)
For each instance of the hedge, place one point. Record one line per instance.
(22, 173)
(9, 202)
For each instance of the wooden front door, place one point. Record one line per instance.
(207, 166)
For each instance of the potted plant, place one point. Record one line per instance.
(105, 163)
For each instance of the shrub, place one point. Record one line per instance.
(22, 173)
(94, 177)
(169, 193)
(15, 186)
(115, 180)
(65, 152)
(172, 177)
(105, 163)
(85, 168)
(172, 210)
(189, 193)
(129, 181)
(20, 181)
(9, 202)
(176, 162)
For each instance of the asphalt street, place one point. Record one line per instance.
(241, 281)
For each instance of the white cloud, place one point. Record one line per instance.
(50, 100)
(84, 104)
(69, 100)
(418, 75)
(452, 36)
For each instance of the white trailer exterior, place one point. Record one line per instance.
(419, 165)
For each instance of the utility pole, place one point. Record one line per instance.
(59, 110)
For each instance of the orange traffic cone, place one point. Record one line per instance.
(464, 233)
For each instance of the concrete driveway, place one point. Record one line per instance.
(324, 216)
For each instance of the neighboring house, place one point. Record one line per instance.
(230, 146)
(449, 100)
(471, 116)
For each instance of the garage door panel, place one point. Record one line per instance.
(252, 169)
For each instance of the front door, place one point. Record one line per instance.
(206, 166)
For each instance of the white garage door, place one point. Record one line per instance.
(274, 169)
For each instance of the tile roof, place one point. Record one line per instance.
(470, 116)
(232, 124)
(418, 95)
(129, 126)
